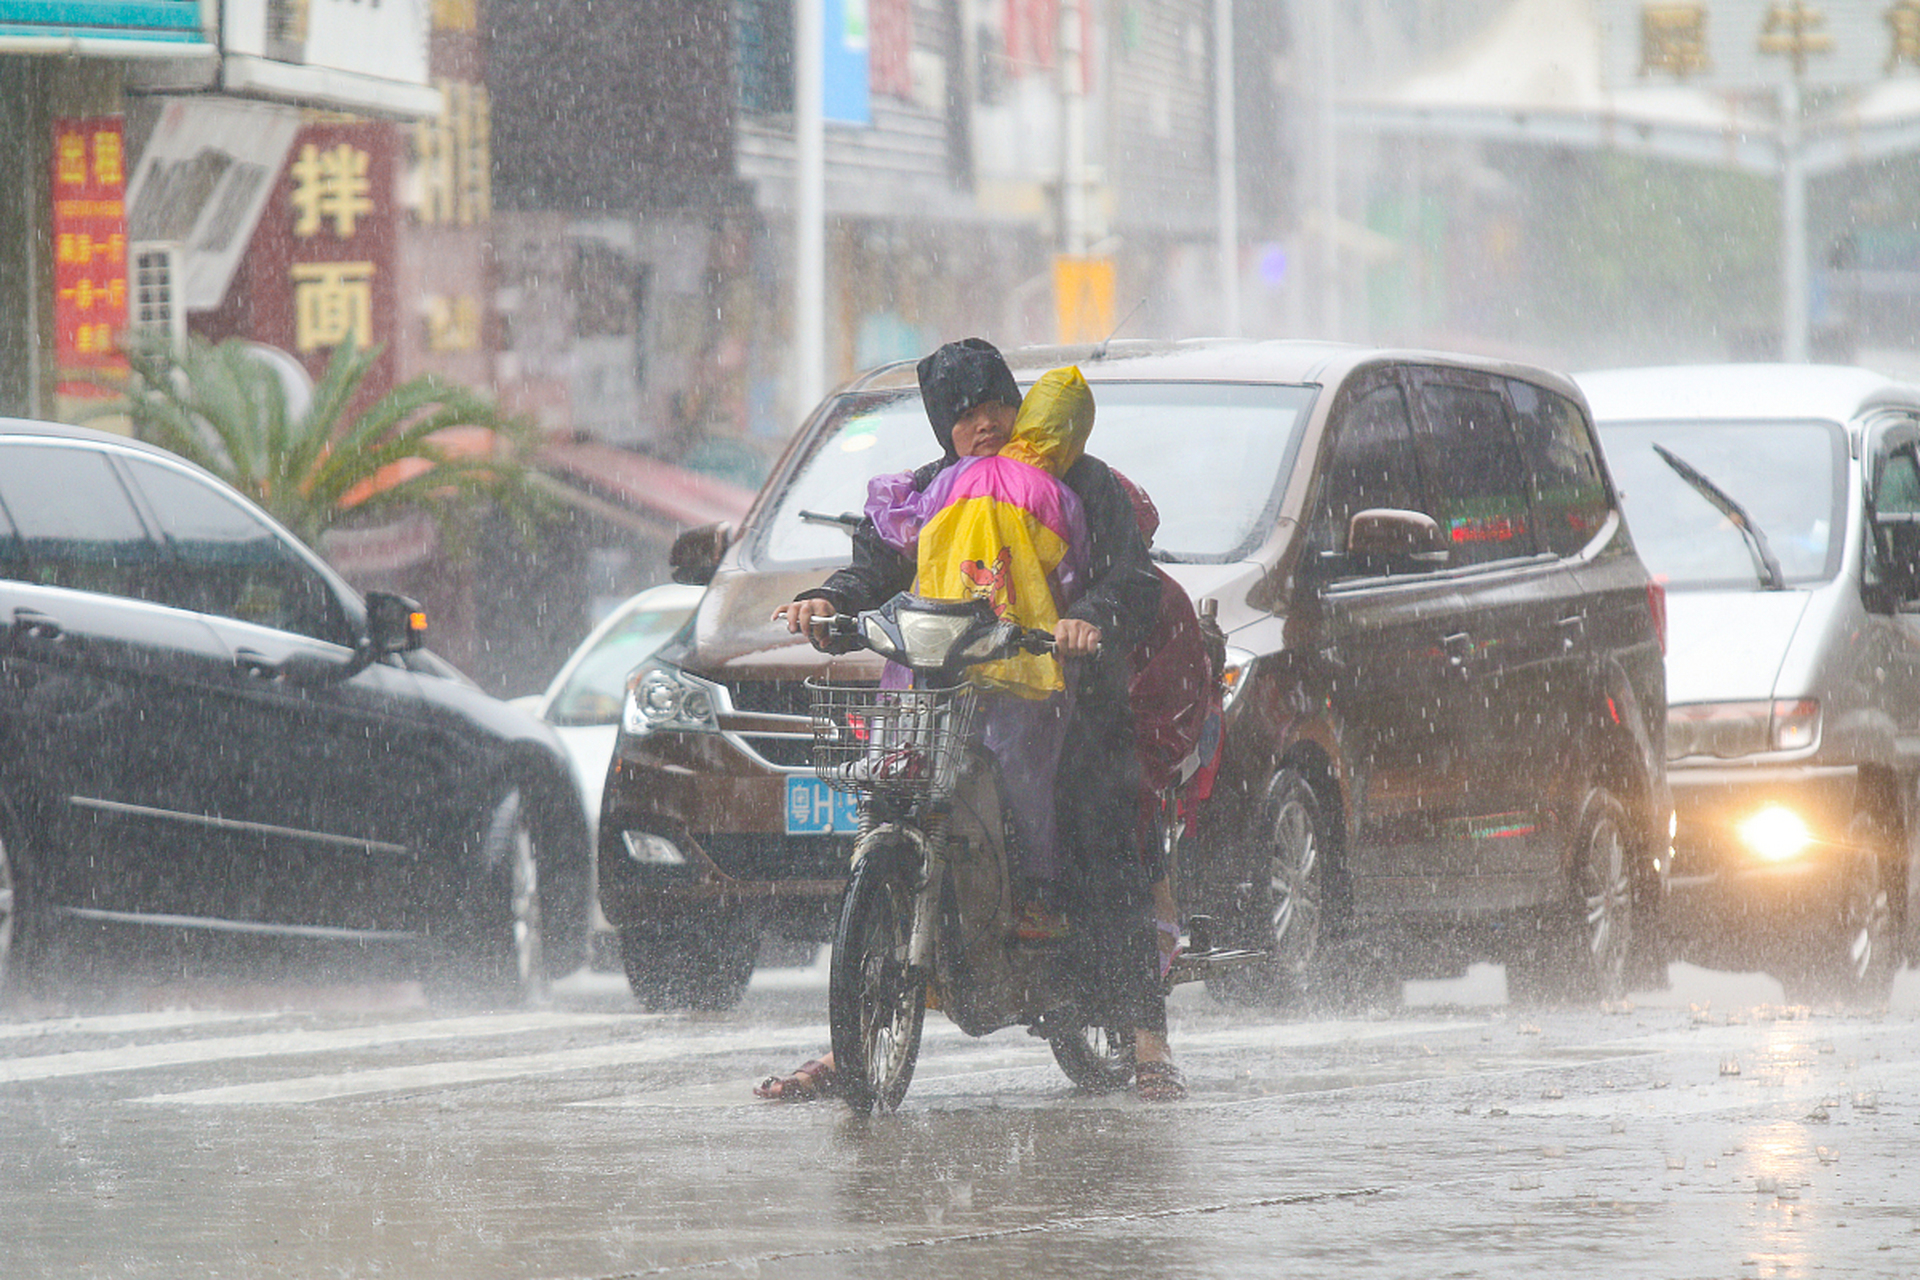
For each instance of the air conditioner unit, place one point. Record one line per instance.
(155, 305)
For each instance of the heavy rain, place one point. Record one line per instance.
(807, 638)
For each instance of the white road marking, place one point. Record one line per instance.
(439, 1075)
(126, 1023)
(273, 1044)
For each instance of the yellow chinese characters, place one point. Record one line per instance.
(331, 302)
(330, 186)
(1903, 34)
(1794, 30)
(1673, 40)
(454, 155)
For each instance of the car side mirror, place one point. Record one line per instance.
(395, 624)
(1389, 539)
(696, 553)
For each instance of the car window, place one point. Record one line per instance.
(1898, 490)
(1370, 464)
(77, 527)
(13, 560)
(1569, 490)
(1211, 455)
(227, 562)
(1789, 476)
(1476, 482)
(593, 693)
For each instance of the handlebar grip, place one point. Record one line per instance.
(1036, 640)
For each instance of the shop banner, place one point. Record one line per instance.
(89, 249)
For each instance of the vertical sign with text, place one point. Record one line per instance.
(89, 248)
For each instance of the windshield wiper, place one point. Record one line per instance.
(845, 520)
(1763, 562)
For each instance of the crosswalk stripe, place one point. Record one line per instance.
(118, 1024)
(272, 1044)
(438, 1075)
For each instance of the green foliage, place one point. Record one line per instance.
(224, 408)
(1642, 258)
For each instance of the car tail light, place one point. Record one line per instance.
(1657, 606)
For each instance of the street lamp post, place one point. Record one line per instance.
(809, 203)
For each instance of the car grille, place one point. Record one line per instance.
(779, 698)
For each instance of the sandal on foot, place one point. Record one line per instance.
(810, 1080)
(1158, 1082)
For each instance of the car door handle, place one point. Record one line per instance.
(259, 666)
(1573, 631)
(31, 624)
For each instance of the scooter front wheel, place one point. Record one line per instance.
(875, 1003)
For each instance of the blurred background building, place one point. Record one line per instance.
(604, 214)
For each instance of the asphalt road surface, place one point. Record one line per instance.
(346, 1131)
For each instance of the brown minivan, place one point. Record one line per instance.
(1444, 714)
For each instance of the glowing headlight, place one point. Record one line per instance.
(1776, 834)
(663, 697)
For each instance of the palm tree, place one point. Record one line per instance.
(427, 444)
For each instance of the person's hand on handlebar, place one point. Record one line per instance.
(799, 617)
(1075, 638)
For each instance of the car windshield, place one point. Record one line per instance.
(1788, 476)
(1209, 454)
(593, 692)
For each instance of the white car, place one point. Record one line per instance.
(583, 700)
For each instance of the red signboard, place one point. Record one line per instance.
(89, 247)
(321, 268)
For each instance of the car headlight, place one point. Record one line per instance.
(1728, 730)
(1775, 833)
(1234, 678)
(664, 697)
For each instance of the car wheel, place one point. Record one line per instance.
(524, 916)
(1848, 954)
(698, 964)
(1583, 946)
(10, 931)
(1287, 914)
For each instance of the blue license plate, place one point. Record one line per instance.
(815, 809)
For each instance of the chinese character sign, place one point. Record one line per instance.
(89, 246)
(1741, 45)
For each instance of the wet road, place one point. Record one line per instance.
(233, 1132)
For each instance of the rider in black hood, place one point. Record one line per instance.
(959, 376)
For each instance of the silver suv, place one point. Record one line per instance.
(1781, 505)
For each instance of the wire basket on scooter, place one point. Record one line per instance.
(904, 742)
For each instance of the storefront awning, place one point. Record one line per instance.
(647, 486)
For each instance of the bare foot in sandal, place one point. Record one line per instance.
(810, 1080)
(1155, 1078)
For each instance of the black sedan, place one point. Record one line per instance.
(204, 732)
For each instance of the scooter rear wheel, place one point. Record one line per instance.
(875, 1003)
(1098, 1059)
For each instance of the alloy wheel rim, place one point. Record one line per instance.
(1607, 898)
(527, 942)
(1869, 913)
(7, 899)
(1295, 864)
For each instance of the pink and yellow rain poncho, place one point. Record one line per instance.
(1004, 528)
